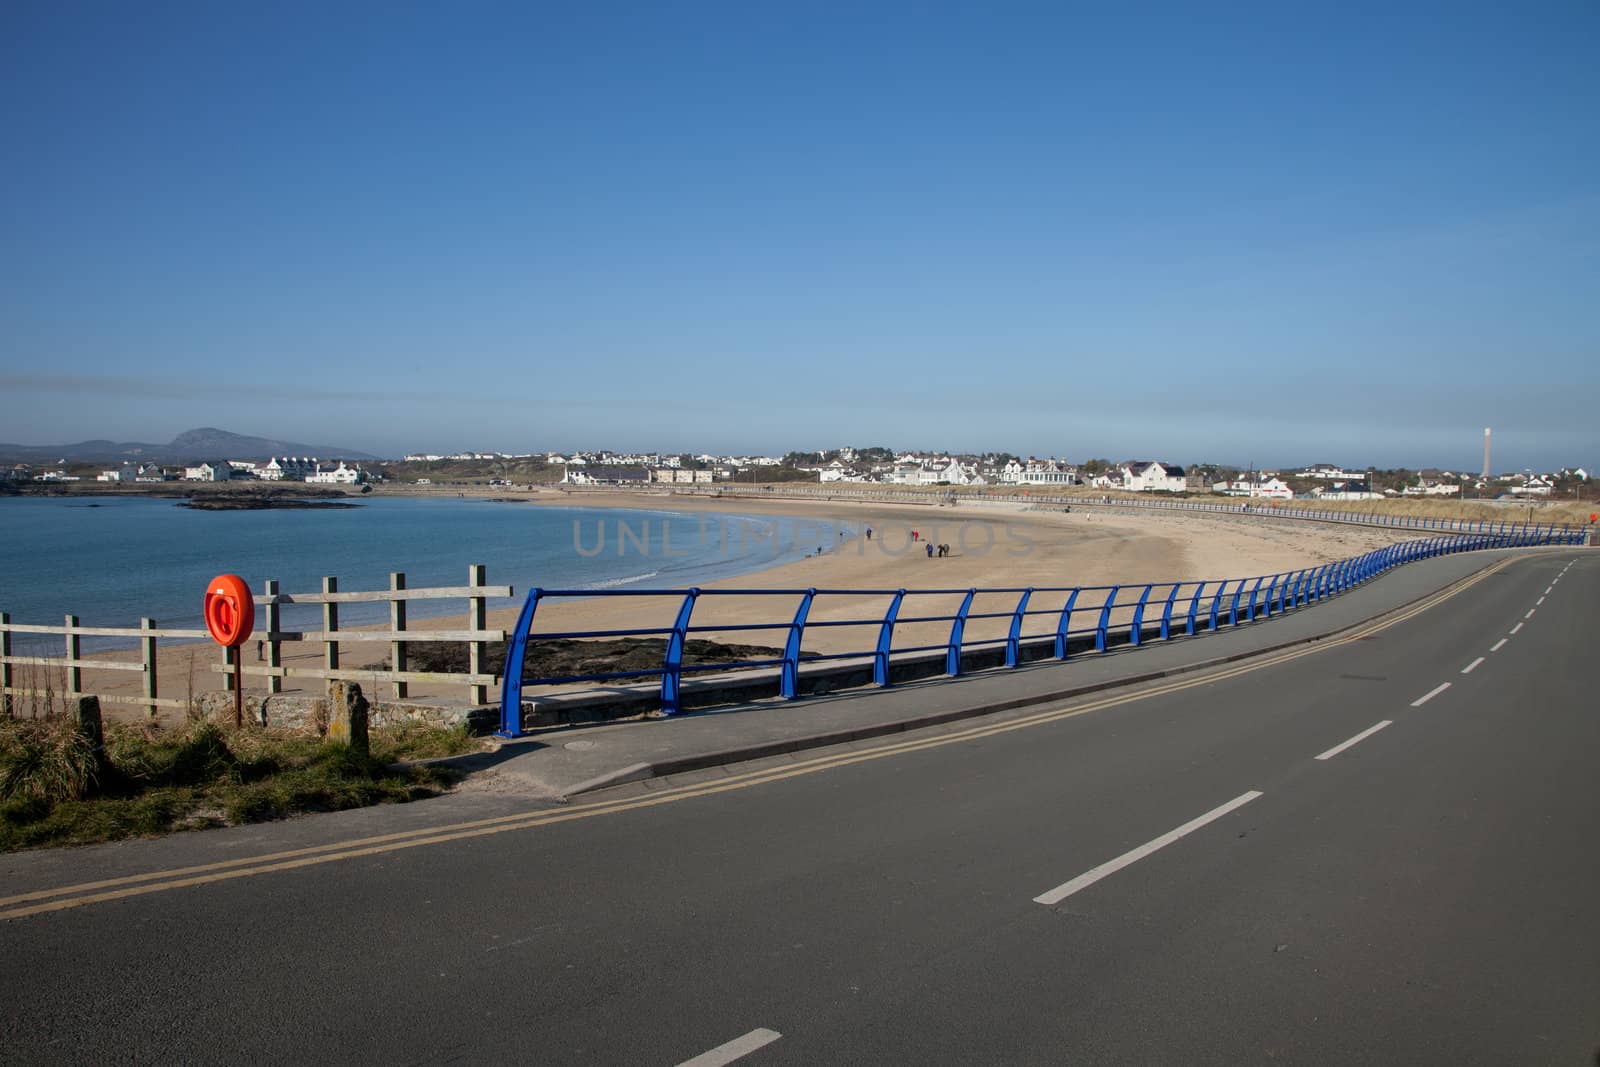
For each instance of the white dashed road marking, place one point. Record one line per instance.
(1469, 668)
(1498, 645)
(1362, 736)
(1090, 877)
(1435, 691)
(733, 1050)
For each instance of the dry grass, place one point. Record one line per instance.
(56, 789)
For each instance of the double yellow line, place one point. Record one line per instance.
(61, 898)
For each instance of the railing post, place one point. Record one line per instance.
(1065, 623)
(1194, 609)
(147, 654)
(1216, 601)
(1166, 612)
(6, 679)
(274, 621)
(958, 626)
(1100, 642)
(511, 677)
(1136, 629)
(330, 623)
(1250, 612)
(1014, 637)
(880, 656)
(1233, 608)
(397, 623)
(74, 644)
(672, 666)
(789, 674)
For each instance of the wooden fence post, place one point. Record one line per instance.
(6, 680)
(397, 623)
(330, 623)
(232, 660)
(74, 645)
(274, 621)
(147, 646)
(477, 619)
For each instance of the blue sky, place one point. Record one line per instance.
(1276, 233)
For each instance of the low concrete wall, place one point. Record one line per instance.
(308, 711)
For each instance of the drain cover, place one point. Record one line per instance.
(578, 746)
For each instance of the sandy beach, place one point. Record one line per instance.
(993, 545)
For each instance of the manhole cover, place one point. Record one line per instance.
(578, 746)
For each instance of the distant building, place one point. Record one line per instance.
(1347, 491)
(340, 475)
(1271, 488)
(208, 472)
(125, 473)
(287, 468)
(1152, 477)
(150, 472)
(1038, 472)
(682, 476)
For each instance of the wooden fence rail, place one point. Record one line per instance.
(271, 639)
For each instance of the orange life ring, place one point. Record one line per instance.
(230, 610)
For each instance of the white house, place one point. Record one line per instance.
(1269, 488)
(1425, 487)
(1538, 485)
(1346, 491)
(1038, 472)
(125, 473)
(1147, 477)
(340, 475)
(1329, 472)
(287, 468)
(208, 472)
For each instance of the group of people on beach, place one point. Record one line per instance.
(933, 549)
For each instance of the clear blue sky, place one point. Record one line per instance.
(1276, 233)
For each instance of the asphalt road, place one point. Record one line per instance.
(1165, 875)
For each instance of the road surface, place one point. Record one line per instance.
(1376, 850)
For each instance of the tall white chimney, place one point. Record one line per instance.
(1486, 452)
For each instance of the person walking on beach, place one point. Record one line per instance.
(869, 533)
(929, 546)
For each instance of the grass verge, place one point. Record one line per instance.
(56, 790)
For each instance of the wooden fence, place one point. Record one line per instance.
(70, 667)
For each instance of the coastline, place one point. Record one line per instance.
(994, 545)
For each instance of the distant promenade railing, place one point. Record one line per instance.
(1253, 507)
(46, 678)
(1096, 617)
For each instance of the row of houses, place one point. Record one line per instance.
(278, 469)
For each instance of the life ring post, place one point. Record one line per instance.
(230, 614)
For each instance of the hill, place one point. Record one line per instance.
(205, 443)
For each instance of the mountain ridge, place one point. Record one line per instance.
(202, 443)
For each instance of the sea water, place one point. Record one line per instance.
(114, 560)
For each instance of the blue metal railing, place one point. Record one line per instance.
(1100, 612)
